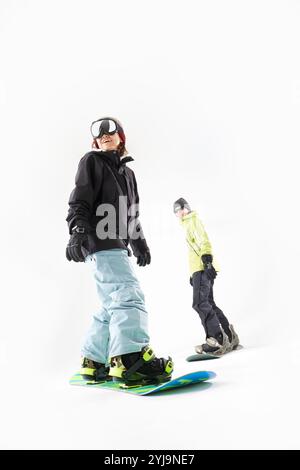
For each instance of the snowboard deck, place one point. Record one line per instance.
(207, 357)
(182, 381)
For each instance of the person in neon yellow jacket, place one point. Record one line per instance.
(220, 335)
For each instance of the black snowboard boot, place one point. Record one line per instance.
(140, 368)
(215, 346)
(94, 371)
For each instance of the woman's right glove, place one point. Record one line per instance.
(208, 267)
(144, 259)
(76, 251)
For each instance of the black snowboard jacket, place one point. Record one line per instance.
(101, 178)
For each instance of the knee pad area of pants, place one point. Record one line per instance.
(128, 293)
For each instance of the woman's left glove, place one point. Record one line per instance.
(144, 259)
(76, 251)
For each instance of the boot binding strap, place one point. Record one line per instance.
(147, 356)
(169, 366)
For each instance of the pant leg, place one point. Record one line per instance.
(203, 306)
(123, 300)
(222, 318)
(96, 345)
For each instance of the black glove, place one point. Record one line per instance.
(144, 259)
(75, 249)
(208, 267)
(191, 281)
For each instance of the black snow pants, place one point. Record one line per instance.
(203, 302)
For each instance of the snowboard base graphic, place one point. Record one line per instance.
(183, 381)
(207, 357)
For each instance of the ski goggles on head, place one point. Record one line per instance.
(104, 126)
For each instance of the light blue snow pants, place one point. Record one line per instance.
(121, 325)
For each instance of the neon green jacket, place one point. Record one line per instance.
(197, 241)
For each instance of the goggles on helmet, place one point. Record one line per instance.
(104, 126)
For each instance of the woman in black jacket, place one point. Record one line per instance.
(103, 224)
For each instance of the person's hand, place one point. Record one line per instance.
(208, 267)
(75, 249)
(144, 259)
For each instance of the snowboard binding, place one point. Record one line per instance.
(93, 371)
(140, 368)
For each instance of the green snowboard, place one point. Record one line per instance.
(183, 381)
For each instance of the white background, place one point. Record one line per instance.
(209, 96)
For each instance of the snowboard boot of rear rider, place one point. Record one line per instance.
(140, 368)
(94, 371)
(215, 346)
(219, 345)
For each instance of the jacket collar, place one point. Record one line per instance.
(112, 157)
(188, 216)
(123, 162)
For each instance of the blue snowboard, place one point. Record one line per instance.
(183, 381)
